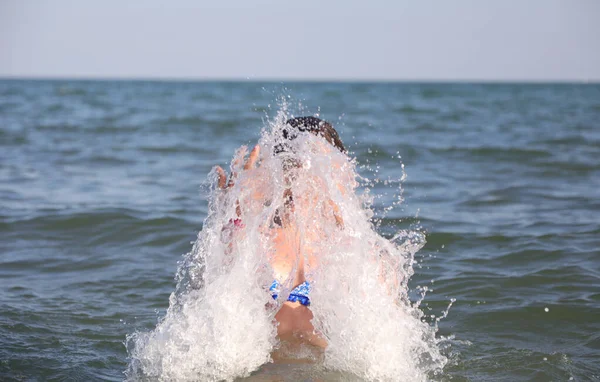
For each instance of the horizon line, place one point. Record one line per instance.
(301, 80)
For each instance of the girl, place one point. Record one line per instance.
(293, 248)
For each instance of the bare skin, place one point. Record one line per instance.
(293, 319)
(291, 258)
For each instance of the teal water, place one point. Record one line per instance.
(101, 193)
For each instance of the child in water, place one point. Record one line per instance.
(289, 252)
(293, 251)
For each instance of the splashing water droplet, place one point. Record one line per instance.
(219, 324)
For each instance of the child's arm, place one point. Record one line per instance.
(336, 214)
(235, 225)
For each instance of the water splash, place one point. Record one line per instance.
(219, 324)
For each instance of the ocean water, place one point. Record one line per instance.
(103, 188)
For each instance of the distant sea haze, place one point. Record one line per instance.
(103, 186)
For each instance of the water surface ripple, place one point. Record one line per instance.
(101, 193)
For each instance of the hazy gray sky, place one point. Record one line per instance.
(302, 39)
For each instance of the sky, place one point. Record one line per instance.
(431, 40)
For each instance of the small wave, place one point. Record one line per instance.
(503, 153)
(105, 160)
(6, 107)
(103, 227)
(410, 109)
(568, 141)
(65, 91)
(13, 138)
(185, 121)
(66, 127)
(56, 107)
(58, 220)
(570, 167)
(517, 363)
(180, 149)
(437, 239)
(431, 93)
(456, 115)
(114, 129)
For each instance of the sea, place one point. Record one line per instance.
(104, 188)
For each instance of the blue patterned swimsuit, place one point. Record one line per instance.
(298, 294)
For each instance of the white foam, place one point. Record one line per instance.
(219, 325)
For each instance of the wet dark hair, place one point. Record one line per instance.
(313, 125)
(290, 132)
